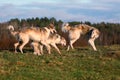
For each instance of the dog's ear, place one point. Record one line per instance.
(51, 25)
(53, 22)
(67, 24)
(82, 27)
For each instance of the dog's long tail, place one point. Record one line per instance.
(65, 27)
(12, 30)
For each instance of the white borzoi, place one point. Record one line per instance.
(52, 40)
(76, 31)
(32, 33)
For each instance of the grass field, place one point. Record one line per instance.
(79, 64)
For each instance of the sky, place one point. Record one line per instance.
(66, 10)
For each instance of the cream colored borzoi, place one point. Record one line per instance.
(76, 31)
(32, 33)
(52, 40)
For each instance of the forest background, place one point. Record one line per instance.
(109, 32)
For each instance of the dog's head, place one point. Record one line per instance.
(63, 41)
(10, 27)
(65, 27)
(52, 28)
(59, 40)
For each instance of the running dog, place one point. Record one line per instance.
(76, 31)
(32, 33)
(52, 40)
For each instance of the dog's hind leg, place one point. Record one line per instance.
(71, 44)
(23, 44)
(92, 38)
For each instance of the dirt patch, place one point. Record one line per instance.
(113, 54)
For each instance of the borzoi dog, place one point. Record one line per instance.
(76, 31)
(52, 40)
(32, 33)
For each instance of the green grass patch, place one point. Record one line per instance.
(78, 64)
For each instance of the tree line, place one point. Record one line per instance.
(110, 32)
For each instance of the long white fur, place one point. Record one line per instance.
(52, 40)
(34, 34)
(76, 31)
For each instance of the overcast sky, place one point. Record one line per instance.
(65, 10)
